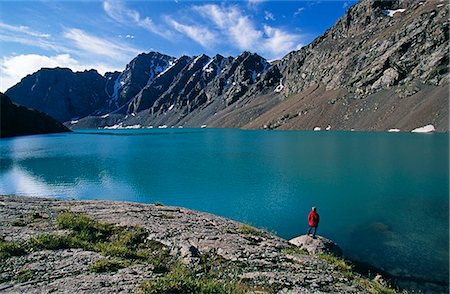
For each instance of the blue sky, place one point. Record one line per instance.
(107, 34)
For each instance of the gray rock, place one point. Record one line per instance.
(316, 245)
(389, 77)
(189, 254)
(263, 264)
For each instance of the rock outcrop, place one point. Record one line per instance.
(316, 245)
(259, 260)
(16, 120)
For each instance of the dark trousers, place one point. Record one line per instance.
(315, 230)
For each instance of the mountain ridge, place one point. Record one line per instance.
(370, 71)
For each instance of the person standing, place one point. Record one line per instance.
(313, 221)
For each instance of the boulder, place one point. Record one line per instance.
(316, 245)
(189, 254)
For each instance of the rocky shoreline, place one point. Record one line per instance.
(252, 260)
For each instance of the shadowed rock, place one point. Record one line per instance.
(16, 120)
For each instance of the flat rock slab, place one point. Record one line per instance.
(316, 245)
(255, 257)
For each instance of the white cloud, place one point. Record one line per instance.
(239, 30)
(14, 68)
(279, 41)
(254, 3)
(199, 34)
(236, 26)
(81, 42)
(99, 46)
(33, 42)
(23, 30)
(117, 10)
(24, 35)
(268, 15)
(299, 11)
(73, 48)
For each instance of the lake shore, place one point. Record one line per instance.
(204, 245)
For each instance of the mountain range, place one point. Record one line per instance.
(383, 65)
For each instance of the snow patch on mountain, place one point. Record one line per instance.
(157, 70)
(391, 13)
(118, 83)
(280, 87)
(170, 65)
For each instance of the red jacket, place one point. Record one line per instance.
(313, 219)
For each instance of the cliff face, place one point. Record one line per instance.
(16, 120)
(374, 47)
(384, 64)
(44, 252)
(140, 72)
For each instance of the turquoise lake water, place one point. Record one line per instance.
(383, 197)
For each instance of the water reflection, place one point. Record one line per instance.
(21, 182)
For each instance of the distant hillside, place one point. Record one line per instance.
(382, 65)
(16, 120)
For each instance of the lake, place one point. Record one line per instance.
(383, 197)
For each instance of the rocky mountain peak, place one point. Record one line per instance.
(141, 71)
(61, 93)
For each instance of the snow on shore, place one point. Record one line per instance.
(425, 129)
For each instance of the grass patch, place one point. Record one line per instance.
(50, 242)
(212, 274)
(85, 228)
(339, 264)
(294, 251)
(182, 280)
(227, 230)
(377, 287)
(8, 249)
(249, 230)
(213, 265)
(107, 265)
(127, 244)
(19, 223)
(25, 275)
(116, 250)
